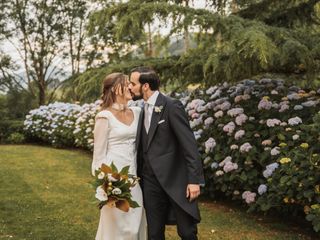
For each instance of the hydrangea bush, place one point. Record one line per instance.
(53, 123)
(260, 144)
(259, 141)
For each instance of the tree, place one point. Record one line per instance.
(231, 46)
(49, 36)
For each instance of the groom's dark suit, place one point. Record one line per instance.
(168, 160)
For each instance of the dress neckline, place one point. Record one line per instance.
(127, 125)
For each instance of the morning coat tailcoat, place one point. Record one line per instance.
(172, 152)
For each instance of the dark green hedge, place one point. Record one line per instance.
(8, 127)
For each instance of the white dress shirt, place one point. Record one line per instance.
(149, 107)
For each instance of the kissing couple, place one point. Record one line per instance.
(156, 141)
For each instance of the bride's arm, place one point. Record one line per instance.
(100, 144)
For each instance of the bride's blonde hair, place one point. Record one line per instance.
(114, 84)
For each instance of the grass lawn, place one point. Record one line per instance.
(45, 194)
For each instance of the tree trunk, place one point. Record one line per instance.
(42, 94)
(150, 45)
(234, 7)
(186, 33)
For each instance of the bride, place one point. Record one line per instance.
(114, 141)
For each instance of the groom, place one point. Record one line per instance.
(168, 159)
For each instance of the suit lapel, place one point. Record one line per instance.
(156, 116)
(140, 125)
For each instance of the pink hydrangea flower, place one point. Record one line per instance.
(249, 197)
(273, 122)
(264, 104)
(246, 147)
(218, 114)
(235, 112)
(241, 119)
(209, 145)
(229, 128)
(239, 134)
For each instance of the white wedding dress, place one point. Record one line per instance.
(115, 142)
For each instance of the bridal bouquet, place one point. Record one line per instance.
(113, 188)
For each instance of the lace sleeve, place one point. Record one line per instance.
(100, 144)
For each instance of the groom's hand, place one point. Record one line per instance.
(193, 191)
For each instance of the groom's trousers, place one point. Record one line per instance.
(157, 203)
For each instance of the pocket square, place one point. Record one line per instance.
(161, 121)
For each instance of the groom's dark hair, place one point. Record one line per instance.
(148, 75)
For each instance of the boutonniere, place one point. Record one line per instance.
(158, 109)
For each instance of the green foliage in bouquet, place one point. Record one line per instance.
(113, 187)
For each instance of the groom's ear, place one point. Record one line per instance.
(146, 86)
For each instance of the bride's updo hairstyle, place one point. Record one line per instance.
(114, 84)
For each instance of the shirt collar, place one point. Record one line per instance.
(153, 98)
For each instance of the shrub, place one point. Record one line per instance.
(8, 127)
(259, 141)
(16, 138)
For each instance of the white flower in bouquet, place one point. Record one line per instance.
(295, 137)
(218, 114)
(239, 134)
(101, 175)
(294, 121)
(101, 195)
(116, 191)
(110, 178)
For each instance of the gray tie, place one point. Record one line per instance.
(146, 116)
